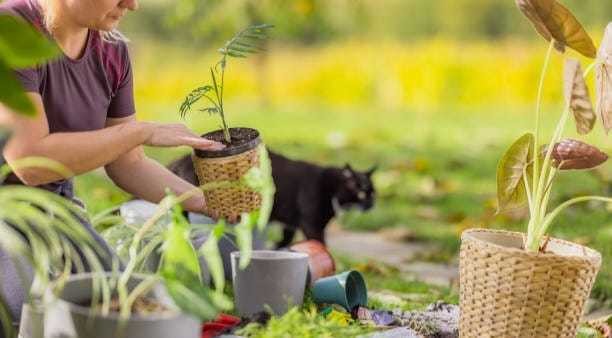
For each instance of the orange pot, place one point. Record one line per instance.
(320, 261)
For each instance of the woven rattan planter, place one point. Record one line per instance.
(229, 165)
(507, 292)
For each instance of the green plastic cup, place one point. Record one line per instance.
(347, 289)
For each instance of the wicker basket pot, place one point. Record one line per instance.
(229, 165)
(508, 292)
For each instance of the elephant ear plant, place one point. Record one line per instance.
(526, 172)
(519, 285)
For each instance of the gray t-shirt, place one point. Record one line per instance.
(78, 95)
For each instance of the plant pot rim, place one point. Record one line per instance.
(272, 255)
(86, 310)
(581, 252)
(229, 151)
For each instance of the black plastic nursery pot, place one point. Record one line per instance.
(87, 323)
(229, 164)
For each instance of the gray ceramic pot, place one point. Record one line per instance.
(31, 324)
(78, 290)
(274, 279)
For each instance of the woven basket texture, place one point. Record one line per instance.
(228, 202)
(508, 292)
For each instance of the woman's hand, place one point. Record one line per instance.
(176, 134)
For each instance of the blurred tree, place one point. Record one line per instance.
(314, 21)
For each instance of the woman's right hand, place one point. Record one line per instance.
(176, 134)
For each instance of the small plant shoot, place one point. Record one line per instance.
(526, 172)
(247, 41)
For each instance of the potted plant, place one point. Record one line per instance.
(240, 153)
(531, 285)
(173, 298)
(39, 232)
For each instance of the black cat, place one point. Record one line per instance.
(307, 195)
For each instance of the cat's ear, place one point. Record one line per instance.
(372, 170)
(347, 171)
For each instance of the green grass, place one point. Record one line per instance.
(306, 321)
(437, 171)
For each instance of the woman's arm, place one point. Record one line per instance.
(84, 151)
(135, 173)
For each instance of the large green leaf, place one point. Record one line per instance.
(23, 46)
(553, 21)
(244, 237)
(511, 190)
(178, 250)
(577, 97)
(12, 94)
(212, 256)
(260, 180)
(181, 272)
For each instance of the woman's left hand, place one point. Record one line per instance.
(176, 134)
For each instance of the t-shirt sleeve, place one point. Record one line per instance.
(122, 102)
(29, 79)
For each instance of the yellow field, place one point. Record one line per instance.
(430, 76)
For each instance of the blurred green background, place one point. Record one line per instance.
(433, 91)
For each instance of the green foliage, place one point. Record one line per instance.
(307, 323)
(318, 21)
(515, 181)
(43, 228)
(512, 175)
(245, 42)
(210, 252)
(180, 269)
(20, 46)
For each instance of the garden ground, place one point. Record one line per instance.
(436, 178)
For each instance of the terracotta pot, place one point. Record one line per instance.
(320, 261)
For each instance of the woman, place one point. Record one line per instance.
(86, 112)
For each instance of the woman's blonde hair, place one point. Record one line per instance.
(49, 11)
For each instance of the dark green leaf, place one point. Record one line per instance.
(23, 46)
(12, 94)
(511, 190)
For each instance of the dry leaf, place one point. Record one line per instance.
(573, 154)
(553, 21)
(604, 80)
(577, 95)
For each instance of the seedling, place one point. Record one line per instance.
(248, 41)
(527, 171)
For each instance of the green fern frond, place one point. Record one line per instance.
(247, 41)
(210, 110)
(193, 97)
